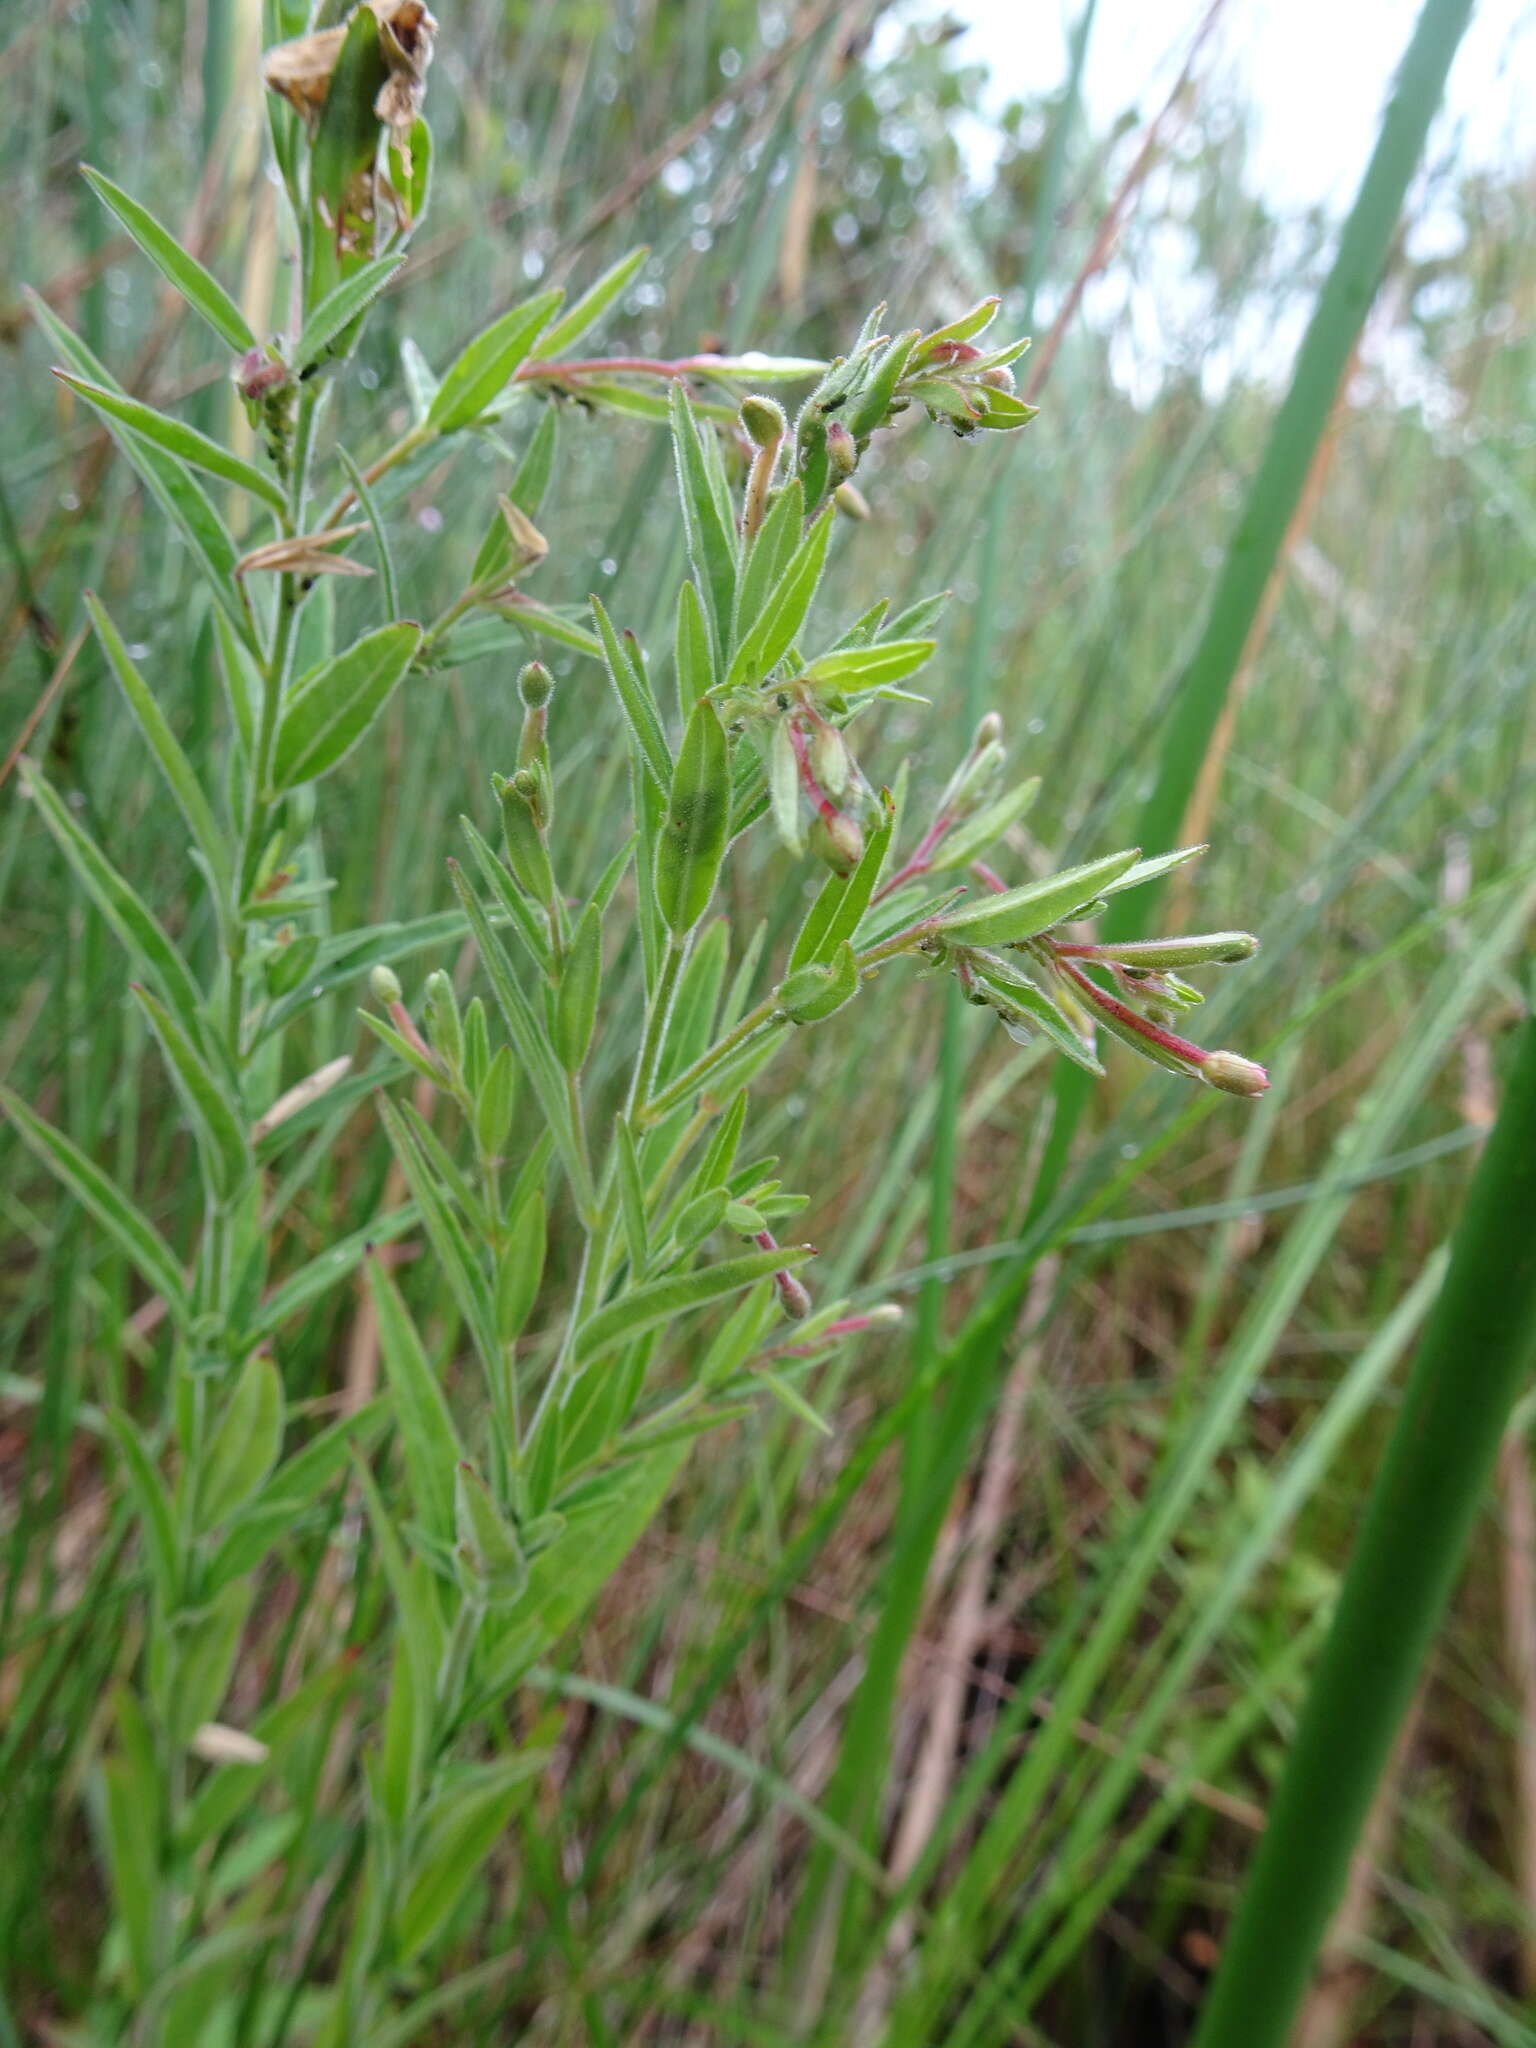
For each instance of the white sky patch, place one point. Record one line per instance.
(1313, 77)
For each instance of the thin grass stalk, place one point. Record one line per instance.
(1432, 1483)
(1298, 427)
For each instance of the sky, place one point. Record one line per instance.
(1315, 75)
(1316, 72)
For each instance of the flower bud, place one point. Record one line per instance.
(258, 374)
(385, 984)
(536, 686)
(1234, 1075)
(842, 450)
(850, 499)
(839, 841)
(793, 1297)
(829, 759)
(444, 1028)
(999, 377)
(764, 421)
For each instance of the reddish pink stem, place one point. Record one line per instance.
(918, 862)
(1181, 1048)
(634, 366)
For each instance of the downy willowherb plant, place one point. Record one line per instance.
(524, 1502)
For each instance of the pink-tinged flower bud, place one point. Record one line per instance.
(764, 421)
(793, 1298)
(999, 377)
(842, 450)
(839, 841)
(385, 984)
(257, 374)
(1234, 1075)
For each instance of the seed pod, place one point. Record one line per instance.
(829, 758)
(692, 842)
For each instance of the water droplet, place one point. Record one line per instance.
(608, 566)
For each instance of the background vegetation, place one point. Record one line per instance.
(1137, 1510)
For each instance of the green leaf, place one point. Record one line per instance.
(636, 702)
(632, 1206)
(791, 1398)
(581, 974)
(218, 1127)
(368, 505)
(495, 1101)
(332, 707)
(134, 1234)
(813, 992)
(244, 1445)
(1150, 871)
(485, 366)
(341, 306)
(488, 1557)
(181, 779)
(693, 839)
(466, 1282)
(153, 1501)
(428, 1439)
(691, 651)
(538, 464)
(784, 612)
(975, 834)
(184, 443)
(1022, 913)
(769, 554)
(131, 1815)
(203, 293)
(461, 1826)
(865, 668)
(711, 534)
(178, 494)
(135, 924)
(592, 305)
(834, 916)
(207, 1644)
(521, 1268)
(661, 1301)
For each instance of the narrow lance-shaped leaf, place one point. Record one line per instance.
(591, 306)
(660, 1301)
(245, 1443)
(202, 292)
(711, 539)
(576, 997)
(169, 483)
(784, 612)
(484, 367)
(1022, 913)
(693, 839)
(217, 1123)
(136, 926)
(180, 776)
(334, 705)
(341, 306)
(691, 651)
(866, 668)
(428, 1438)
(636, 702)
(185, 443)
(132, 1231)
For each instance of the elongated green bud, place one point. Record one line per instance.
(535, 686)
(839, 841)
(385, 984)
(444, 1029)
(764, 420)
